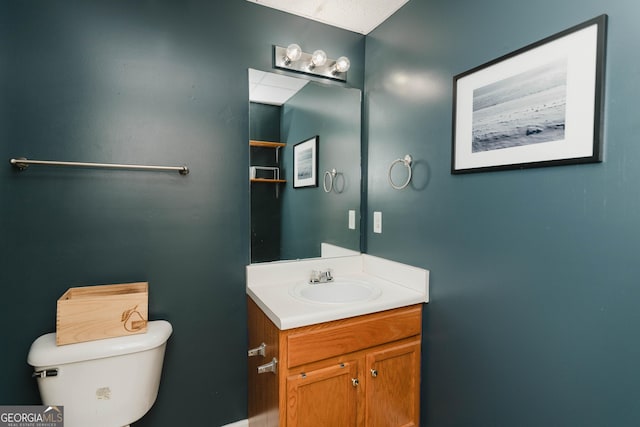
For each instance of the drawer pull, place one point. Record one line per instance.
(374, 373)
(269, 367)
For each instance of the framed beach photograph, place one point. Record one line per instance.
(305, 163)
(541, 105)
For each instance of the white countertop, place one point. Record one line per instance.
(268, 286)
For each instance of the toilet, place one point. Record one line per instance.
(105, 383)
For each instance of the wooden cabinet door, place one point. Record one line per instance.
(325, 397)
(393, 386)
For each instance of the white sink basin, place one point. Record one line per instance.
(339, 291)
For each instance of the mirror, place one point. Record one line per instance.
(291, 223)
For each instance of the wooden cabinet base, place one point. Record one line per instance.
(363, 371)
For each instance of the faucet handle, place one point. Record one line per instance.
(328, 274)
(315, 276)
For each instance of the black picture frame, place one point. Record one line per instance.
(541, 105)
(305, 163)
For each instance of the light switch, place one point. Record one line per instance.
(352, 219)
(377, 222)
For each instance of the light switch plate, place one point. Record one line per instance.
(352, 219)
(377, 222)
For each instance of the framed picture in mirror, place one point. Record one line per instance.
(305, 163)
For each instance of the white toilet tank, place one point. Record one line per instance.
(105, 383)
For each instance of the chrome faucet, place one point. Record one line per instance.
(320, 276)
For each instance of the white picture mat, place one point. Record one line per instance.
(580, 49)
(299, 149)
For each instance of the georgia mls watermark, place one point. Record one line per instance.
(32, 416)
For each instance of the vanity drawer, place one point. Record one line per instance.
(317, 342)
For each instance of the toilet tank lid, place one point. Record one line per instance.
(44, 351)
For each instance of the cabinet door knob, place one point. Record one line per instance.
(374, 373)
(355, 382)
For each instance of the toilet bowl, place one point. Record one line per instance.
(104, 383)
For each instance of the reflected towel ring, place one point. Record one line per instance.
(406, 161)
(331, 174)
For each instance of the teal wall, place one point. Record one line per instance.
(266, 205)
(534, 317)
(151, 82)
(311, 216)
(291, 223)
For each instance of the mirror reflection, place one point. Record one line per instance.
(287, 222)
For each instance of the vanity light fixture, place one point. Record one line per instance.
(342, 65)
(292, 54)
(292, 58)
(318, 59)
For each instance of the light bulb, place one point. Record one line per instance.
(318, 58)
(342, 64)
(293, 53)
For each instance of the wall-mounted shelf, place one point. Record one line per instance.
(266, 144)
(273, 181)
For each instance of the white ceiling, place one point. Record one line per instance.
(270, 88)
(360, 16)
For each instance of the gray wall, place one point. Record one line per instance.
(162, 82)
(534, 273)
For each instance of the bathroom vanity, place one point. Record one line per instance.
(353, 363)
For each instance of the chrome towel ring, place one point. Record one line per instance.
(406, 161)
(331, 174)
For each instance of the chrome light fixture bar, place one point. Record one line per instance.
(292, 58)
